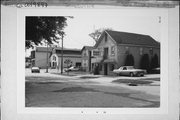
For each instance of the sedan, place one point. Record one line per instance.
(35, 70)
(73, 68)
(130, 71)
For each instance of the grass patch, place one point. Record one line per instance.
(76, 89)
(88, 77)
(154, 79)
(40, 78)
(50, 83)
(138, 82)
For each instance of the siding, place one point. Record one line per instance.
(74, 60)
(41, 59)
(135, 51)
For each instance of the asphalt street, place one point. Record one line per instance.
(86, 90)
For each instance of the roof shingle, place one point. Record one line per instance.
(132, 38)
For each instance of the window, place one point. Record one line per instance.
(112, 50)
(54, 58)
(141, 51)
(124, 68)
(127, 50)
(151, 51)
(84, 53)
(96, 53)
(100, 51)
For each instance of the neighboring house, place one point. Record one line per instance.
(112, 48)
(86, 58)
(40, 56)
(71, 57)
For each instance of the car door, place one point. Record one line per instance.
(124, 71)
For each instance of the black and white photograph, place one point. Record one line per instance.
(94, 60)
(89, 60)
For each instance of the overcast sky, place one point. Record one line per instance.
(79, 28)
(85, 22)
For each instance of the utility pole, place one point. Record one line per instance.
(62, 54)
(47, 59)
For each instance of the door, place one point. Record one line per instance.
(105, 69)
(105, 53)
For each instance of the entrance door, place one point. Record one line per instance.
(105, 69)
(105, 53)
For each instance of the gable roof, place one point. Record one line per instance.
(68, 51)
(44, 49)
(130, 38)
(87, 47)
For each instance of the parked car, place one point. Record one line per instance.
(130, 71)
(73, 68)
(35, 70)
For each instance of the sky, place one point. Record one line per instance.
(85, 22)
(79, 28)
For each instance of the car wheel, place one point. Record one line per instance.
(142, 74)
(131, 74)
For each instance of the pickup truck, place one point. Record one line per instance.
(130, 71)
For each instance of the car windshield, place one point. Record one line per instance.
(126, 67)
(130, 67)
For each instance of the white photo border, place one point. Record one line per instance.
(13, 78)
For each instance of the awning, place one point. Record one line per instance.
(109, 61)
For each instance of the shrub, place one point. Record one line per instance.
(96, 70)
(129, 60)
(145, 64)
(154, 62)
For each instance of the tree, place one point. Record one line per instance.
(129, 60)
(145, 64)
(44, 28)
(96, 34)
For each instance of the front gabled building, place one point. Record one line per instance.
(71, 57)
(51, 57)
(112, 48)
